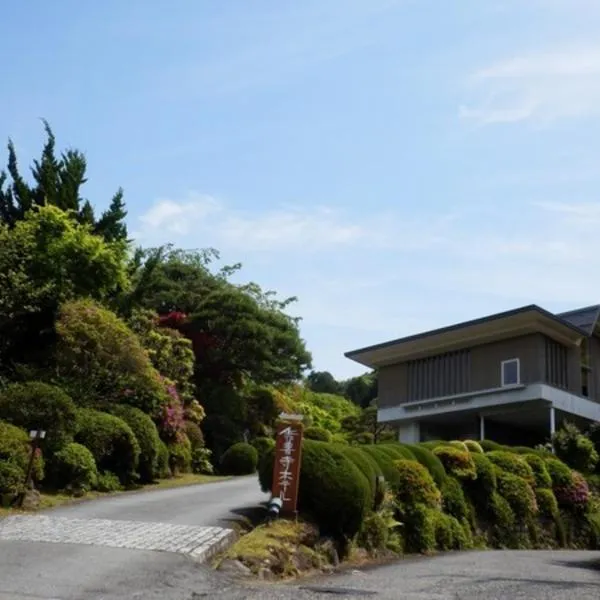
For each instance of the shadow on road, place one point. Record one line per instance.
(247, 517)
(593, 564)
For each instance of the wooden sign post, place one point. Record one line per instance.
(288, 458)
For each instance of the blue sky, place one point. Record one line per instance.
(397, 165)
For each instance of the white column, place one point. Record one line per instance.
(552, 421)
(409, 433)
(481, 428)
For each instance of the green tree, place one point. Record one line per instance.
(362, 390)
(57, 181)
(323, 382)
(366, 426)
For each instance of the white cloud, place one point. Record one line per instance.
(542, 86)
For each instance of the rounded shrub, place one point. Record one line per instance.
(490, 445)
(37, 405)
(163, 470)
(180, 454)
(501, 519)
(318, 434)
(397, 451)
(560, 474)
(449, 534)
(263, 445)
(547, 503)
(239, 459)
(419, 528)
(518, 493)
(453, 499)
(575, 449)
(540, 471)
(146, 434)
(365, 464)
(576, 495)
(12, 479)
(108, 482)
(201, 461)
(456, 462)
(194, 433)
(459, 444)
(73, 469)
(15, 448)
(385, 464)
(416, 485)
(473, 446)
(512, 463)
(430, 461)
(485, 481)
(111, 441)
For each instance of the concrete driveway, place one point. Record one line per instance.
(85, 569)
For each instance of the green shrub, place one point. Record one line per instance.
(419, 528)
(146, 434)
(73, 469)
(263, 445)
(518, 493)
(385, 464)
(416, 485)
(473, 446)
(194, 433)
(396, 451)
(433, 444)
(163, 470)
(365, 464)
(547, 504)
(111, 441)
(108, 482)
(12, 480)
(374, 534)
(485, 482)
(575, 449)
(430, 461)
(540, 471)
(15, 448)
(460, 445)
(456, 462)
(560, 474)
(512, 463)
(541, 452)
(201, 461)
(490, 445)
(453, 499)
(239, 459)
(318, 434)
(501, 519)
(36, 405)
(180, 455)
(449, 534)
(332, 489)
(576, 495)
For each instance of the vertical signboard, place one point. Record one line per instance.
(286, 470)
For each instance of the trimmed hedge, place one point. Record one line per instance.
(559, 473)
(318, 434)
(111, 441)
(239, 459)
(490, 445)
(547, 503)
(518, 493)
(449, 534)
(365, 464)
(37, 405)
(73, 469)
(540, 471)
(456, 462)
(396, 451)
(419, 528)
(473, 446)
(12, 479)
(15, 449)
(385, 464)
(453, 499)
(460, 445)
(512, 463)
(146, 434)
(263, 445)
(194, 433)
(163, 470)
(416, 485)
(180, 454)
(430, 461)
(576, 495)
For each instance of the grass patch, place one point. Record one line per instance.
(56, 499)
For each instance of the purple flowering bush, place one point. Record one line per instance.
(574, 496)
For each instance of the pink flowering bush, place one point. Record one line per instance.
(576, 495)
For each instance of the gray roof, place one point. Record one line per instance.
(583, 318)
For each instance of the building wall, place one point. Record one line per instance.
(594, 376)
(540, 360)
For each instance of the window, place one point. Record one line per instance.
(511, 372)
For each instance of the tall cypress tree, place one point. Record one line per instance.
(57, 181)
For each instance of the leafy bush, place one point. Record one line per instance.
(15, 449)
(74, 469)
(518, 493)
(560, 474)
(502, 521)
(12, 479)
(180, 454)
(419, 528)
(512, 463)
(201, 461)
(318, 434)
(36, 405)
(108, 482)
(385, 464)
(102, 361)
(194, 433)
(449, 534)
(240, 459)
(486, 481)
(576, 495)
(473, 446)
(430, 461)
(263, 445)
(540, 471)
(366, 465)
(332, 489)
(416, 485)
(111, 441)
(163, 470)
(575, 449)
(547, 503)
(453, 499)
(459, 444)
(146, 434)
(490, 445)
(397, 451)
(456, 462)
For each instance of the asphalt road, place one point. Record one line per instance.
(60, 571)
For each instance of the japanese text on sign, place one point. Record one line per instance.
(286, 471)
